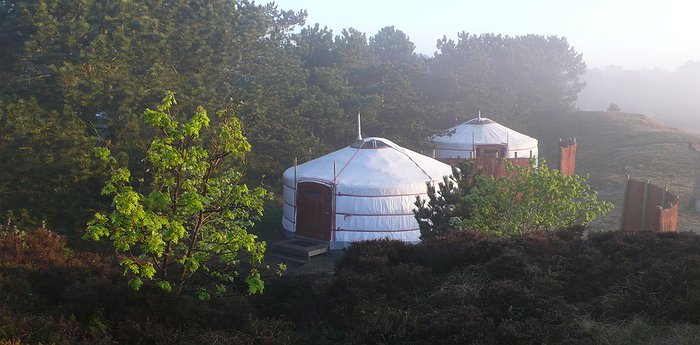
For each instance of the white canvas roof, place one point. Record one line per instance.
(375, 186)
(460, 140)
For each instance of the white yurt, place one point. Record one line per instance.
(362, 192)
(482, 136)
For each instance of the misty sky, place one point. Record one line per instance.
(632, 34)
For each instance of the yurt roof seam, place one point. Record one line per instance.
(346, 164)
(416, 164)
(391, 146)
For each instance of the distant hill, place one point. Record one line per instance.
(614, 144)
(671, 97)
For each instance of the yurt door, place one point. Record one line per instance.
(489, 151)
(314, 211)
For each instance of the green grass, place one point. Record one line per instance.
(614, 144)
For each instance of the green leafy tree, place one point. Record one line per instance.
(192, 213)
(448, 204)
(531, 199)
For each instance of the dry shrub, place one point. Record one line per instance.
(40, 248)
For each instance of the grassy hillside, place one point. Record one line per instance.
(614, 144)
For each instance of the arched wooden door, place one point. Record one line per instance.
(314, 210)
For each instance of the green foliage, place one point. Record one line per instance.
(191, 215)
(447, 205)
(528, 199)
(255, 283)
(531, 199)
(116, 58)
(46, 163)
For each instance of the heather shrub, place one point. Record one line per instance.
(38, 248)
(535, 288)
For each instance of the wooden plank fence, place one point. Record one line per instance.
(496, 167)
(649, 207)
(567, 156)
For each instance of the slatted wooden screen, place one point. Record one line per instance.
(649, 207)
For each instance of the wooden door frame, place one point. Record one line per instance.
(331, 188)
(479, 149)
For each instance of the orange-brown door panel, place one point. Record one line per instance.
(314, 210)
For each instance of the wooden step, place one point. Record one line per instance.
(300, 247)
(290, 257)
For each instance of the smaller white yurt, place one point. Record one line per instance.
(482, 137)
(362, 192)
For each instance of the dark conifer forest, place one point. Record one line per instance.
(80, 73)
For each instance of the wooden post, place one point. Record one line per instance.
(295, 172)
(296, 191)
(644, 205)
(696, 193)
(663, 197)
(624, 204)
(561, 168)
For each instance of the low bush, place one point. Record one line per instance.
(533, 288)
(536, 288)
(38, 248)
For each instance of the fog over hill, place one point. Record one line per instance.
(671, 97)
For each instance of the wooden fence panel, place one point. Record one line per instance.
(655, 198)
(491, 166)
(496, 167)
(633, 207)
(520, 162)
(668, 219)
(649, 208)
(567, 156)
